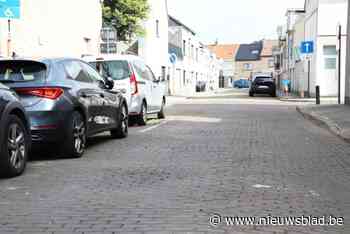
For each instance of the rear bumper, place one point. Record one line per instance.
(268, 90)
(48, 126)
(135, 105)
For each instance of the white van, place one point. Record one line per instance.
(145, 93)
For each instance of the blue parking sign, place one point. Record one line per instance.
(307, 47)
(10, 9)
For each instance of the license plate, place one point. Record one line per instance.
(263, 87)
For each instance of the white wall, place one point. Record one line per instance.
(331, 13)
(321, 20)
(153, 48)
(54, 28)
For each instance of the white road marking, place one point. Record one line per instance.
(153, 127)
(261, 186)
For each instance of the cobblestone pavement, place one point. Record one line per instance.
(208, 158)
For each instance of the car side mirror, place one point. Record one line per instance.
(109, 83)
(157, 80)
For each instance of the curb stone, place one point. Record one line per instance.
(325, 122)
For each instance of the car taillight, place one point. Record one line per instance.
(133, 83)
(50, 93)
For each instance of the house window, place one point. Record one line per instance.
(248, 66)
(330, 57)
(197, 54)
(184, 78)
(271, 63)
(157, 28)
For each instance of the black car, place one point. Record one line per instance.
(14, 134)
(200, 86)
(263, 85)
(66, 101)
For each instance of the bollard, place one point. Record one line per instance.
(318, 101)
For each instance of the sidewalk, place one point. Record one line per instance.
(294, 98)
(335, 118)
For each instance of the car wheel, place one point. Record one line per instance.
(15, 147)
(123, 127)
(273, 94)
(142, 117)
(161, 114)
(75, 143)
(251, 94)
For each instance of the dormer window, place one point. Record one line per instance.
(255, 52)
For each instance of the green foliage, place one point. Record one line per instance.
(126, 16)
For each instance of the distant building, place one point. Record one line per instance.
(226, 52)
(189, 61)
(54, 28)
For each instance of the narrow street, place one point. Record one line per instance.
(239, 157)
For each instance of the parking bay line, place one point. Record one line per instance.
(153, 127)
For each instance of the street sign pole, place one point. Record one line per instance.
(8, 38)
(308, 76)
(339, 62)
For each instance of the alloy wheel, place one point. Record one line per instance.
(125, 121)
(79, 136)
(16, 146)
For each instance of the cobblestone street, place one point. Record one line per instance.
(228, 157)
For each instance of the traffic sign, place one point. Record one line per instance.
(173, 58)
(307, 47)
(10, 9)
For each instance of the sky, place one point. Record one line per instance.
(233, 21)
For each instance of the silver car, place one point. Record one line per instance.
(144, 92)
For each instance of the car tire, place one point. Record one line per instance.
(75, 143)
(15, 147)
(122, 130)
(251, 94)
(161, 113)
(273, 94)
(142, 117)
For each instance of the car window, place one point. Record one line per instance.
(263, 79)
(117, 70)
(94, 75)
(22, 71)
(75, 72)
(142, 70)
(151, 74)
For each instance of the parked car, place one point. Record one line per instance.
(14, 135)
(200, 86)
(241, 84)
(144, 93)
(263, 85)
(66, 101)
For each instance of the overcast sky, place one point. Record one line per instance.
(232, 21)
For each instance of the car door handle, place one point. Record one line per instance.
(102, 95)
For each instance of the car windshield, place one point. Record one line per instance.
(263, 79)
(117, 70)
(21, 71)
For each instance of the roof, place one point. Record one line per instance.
(179, 23)
(224, 51)
(268, 47)
(249, 52)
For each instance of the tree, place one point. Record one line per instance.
(126, 16)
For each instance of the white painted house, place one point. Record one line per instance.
(321, 20)
(153, 47)
(193, 61)
(54, 28)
